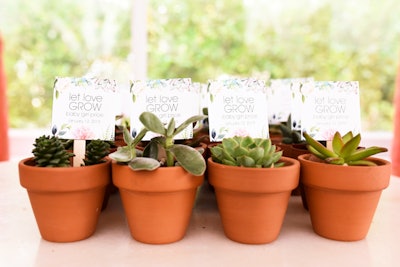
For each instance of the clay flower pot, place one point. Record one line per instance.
(293, 151)
(252, 202)
(66, 202)
(158, 204)
(342, 199)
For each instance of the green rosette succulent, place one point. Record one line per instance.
(345, 150)
(247, 152)
(51, 152)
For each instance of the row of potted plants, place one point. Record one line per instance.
(158, 185)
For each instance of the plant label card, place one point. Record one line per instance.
(203, 100)
(297, 99)
(237, 107)
(279, 98)
(329, 107)
(84, 108)
(167, 99)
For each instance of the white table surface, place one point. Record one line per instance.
(204, 243)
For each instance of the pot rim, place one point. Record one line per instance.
(255, 180)
(348, 178)
(292, 163)
(379, 161)
(163, 179)
(63, 179)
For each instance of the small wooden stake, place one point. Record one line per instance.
(329, 144)
(79, 151)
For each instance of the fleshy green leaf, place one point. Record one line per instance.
(335, 160)
(276, 156)
(246, 141)
(123, 154)
(187, 122)
(364, 153)
(151, 150)
(351, 146)
(361, 163)
(337, 143)
(246, 161)
(139, 137)
(229, 162)
(127, 136)
(216, 152)
(278, 164)
(152, 123)
(143, 164)
(240, 151)
(317, 146)
(229, 145)
(189, 158)
(256, 153)
(347, 137)
(267, 147)
(171, 127)
(316, 152)
(228, 156)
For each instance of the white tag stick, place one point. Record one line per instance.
(329, 144)
(79, 151)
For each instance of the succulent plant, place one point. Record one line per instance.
(200, 135)
(345, 150)
(290, 136)
(247, 152)
(68, 143)
(96, 151)
(129, 152)
(51, 152)
(161, 150)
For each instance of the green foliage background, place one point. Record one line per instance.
(328, 40)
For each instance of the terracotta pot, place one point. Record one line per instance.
(342, 199)
(276, 138)
(66, 202)
(158, 204)
(293, 151)
(252, 202)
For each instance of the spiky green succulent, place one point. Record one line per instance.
(345, 150)
(289, 136)
(51, 152)
(247, 152)
(96, 151)
(161, 150)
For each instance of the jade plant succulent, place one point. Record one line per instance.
(246, 152)
(345, 150)
(161, 150)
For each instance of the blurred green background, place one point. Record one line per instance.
(328, 40)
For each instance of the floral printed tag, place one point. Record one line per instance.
(166, 98)
(237, 107)
(84, 108)
(329, 107)
(282, 99)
